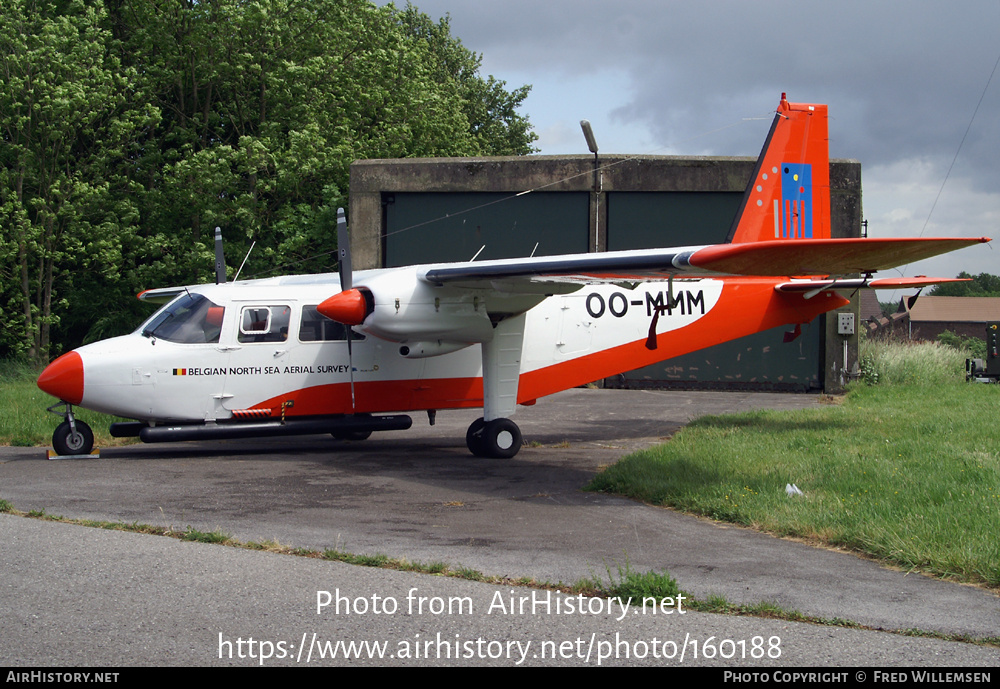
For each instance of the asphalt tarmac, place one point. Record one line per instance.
(75, 596)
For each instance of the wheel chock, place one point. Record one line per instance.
(95, 454)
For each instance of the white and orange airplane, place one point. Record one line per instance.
(347, 354)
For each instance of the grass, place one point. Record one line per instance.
(23, 419)
(893, 362)
(908, 473)
(206, 536)
(640, 587)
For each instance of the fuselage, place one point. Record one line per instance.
(259, 349)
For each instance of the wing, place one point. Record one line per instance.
(819, 257)
(570, 269)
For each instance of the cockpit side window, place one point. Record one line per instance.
(264, 323)
(191, 318)
(315, 327)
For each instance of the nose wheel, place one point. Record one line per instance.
(499, 438)
(67, 440)
(72, 436)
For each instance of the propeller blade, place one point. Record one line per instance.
(346, 283)
(344, 251)
(220, 258)
(350, 365)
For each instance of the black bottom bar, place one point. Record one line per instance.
(169, 433)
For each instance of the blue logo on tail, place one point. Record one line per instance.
(796, 201)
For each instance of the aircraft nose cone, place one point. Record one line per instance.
(63, 378)
(348, 307)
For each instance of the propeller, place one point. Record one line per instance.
(344, 252)
(346, 284)
(220, 258)
(350, 306)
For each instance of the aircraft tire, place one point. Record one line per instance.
(501, 439)
(474, 437)
(66, 442)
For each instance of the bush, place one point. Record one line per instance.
(973, 347)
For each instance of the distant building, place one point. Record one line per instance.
(876, 322)
(870, 310)
(931, 316)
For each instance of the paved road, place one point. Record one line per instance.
(419, 495)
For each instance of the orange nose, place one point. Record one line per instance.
(63, 378)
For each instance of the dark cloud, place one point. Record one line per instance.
(902, 79)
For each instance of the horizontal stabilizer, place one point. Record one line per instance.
(858, 283)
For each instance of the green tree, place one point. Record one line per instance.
(266, 104)
(65, 117)
(982, 285)
(496, 126)
(132, 128)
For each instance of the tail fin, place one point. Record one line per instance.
(788, 196)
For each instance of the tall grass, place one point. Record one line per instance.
(894, 362)
(907, 471)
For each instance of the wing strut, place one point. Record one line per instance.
(502, 368)
(494, 435)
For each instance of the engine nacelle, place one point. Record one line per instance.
(399, 307)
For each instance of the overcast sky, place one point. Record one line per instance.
(902, 80)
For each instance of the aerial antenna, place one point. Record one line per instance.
(252, 245)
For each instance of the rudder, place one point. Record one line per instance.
(788, 196)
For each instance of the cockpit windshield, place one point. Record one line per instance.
(190, 318)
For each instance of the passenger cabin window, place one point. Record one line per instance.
(264, 323)
(315, 327)
(190, 318)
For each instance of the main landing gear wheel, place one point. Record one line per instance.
(474, 436)
(499, 438)
(66, 441)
